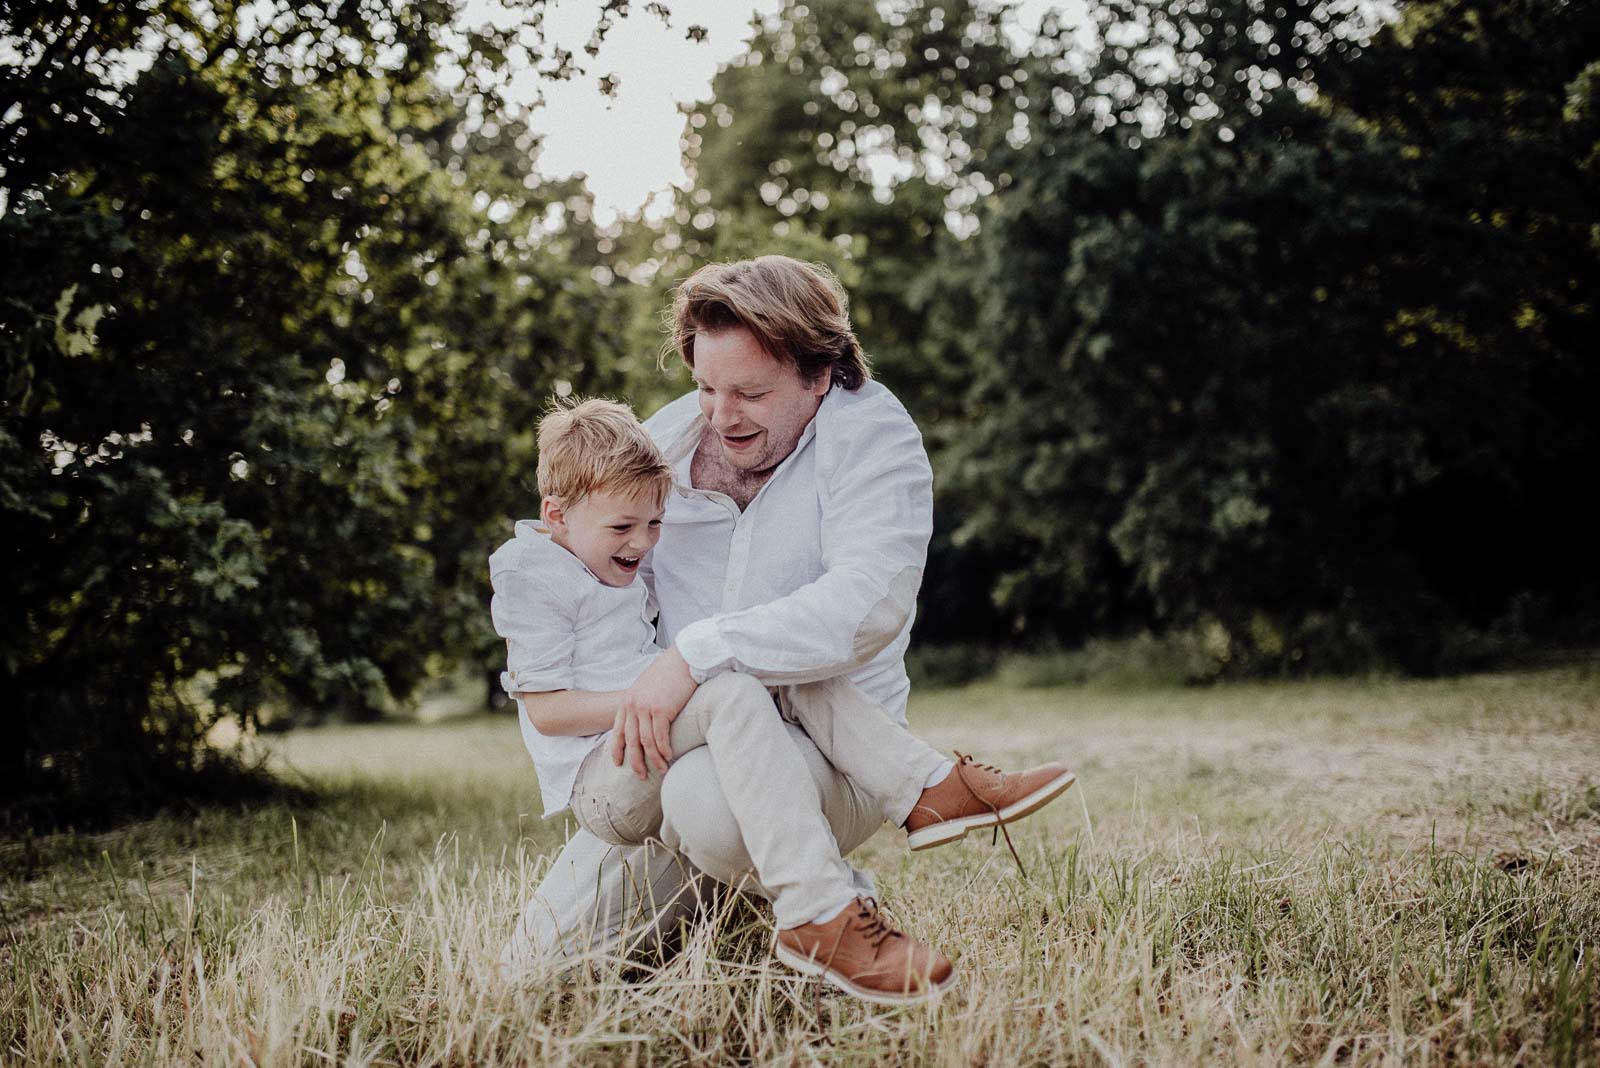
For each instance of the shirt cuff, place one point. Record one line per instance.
(515, 682)
(705, 651)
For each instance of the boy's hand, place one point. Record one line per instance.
(644, 716)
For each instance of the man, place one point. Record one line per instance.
(792, 551)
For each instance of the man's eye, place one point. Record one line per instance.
(752, 396)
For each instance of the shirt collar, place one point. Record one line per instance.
(537, 534)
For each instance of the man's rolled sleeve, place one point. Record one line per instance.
(538, 633)
(704, 650)
(876, 521)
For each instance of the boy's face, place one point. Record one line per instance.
(610, 531)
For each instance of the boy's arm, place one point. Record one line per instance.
(571, 712)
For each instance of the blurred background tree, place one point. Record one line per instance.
(280, 314)
(1291, 341)
(1264, 322)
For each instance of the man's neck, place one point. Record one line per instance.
(710, 470)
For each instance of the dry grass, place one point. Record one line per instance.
(1352, 872)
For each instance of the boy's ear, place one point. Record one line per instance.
(553, 513)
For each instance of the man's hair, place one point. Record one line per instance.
(597, 446)
(797, 311)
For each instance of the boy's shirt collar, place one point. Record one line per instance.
(536, 534)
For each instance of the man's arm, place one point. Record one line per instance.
(876, 494)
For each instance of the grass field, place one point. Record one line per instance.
(1334, 872)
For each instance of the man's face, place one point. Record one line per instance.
(757, 407)
(609, 531)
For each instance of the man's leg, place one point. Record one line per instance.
(598, 898)
(769, 790)
(883, 759)
(699, 822)
(854, 949)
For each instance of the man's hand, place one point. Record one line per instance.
(644, 717)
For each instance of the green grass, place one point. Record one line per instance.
(1363, 872)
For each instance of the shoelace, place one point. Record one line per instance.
(965, 761)
(876, 931)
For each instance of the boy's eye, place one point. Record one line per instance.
(622, 529)
(655, 523)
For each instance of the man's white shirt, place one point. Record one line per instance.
(818, 576)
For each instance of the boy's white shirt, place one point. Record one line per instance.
(818, 576)
(564, 630)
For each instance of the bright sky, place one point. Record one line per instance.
(628, 145)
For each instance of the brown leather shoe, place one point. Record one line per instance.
(978, 795)
(858, 952)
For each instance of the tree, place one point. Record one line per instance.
(850, 133)
(1288, 340)
(280, 312)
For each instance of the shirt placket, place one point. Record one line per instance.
(744, 527)
(738, 544)
(744, 522)
(738, 558)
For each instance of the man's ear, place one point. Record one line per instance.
(553, 514)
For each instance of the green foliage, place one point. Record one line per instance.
(1266, 331)
(279, 318)
(1314, 355)
(1250, 325)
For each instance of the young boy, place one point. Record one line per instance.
(578, 624)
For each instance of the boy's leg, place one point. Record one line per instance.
(614, 804)
(885, 760)
(773, 817)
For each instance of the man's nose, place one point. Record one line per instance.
(724, 412)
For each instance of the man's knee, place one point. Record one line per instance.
(733, 689)
(696, 820)
(729, 698)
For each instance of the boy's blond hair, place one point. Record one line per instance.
(597, 446)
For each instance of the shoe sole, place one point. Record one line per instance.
(810, 967)
(954, 830)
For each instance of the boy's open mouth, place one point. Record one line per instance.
(626, 563)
